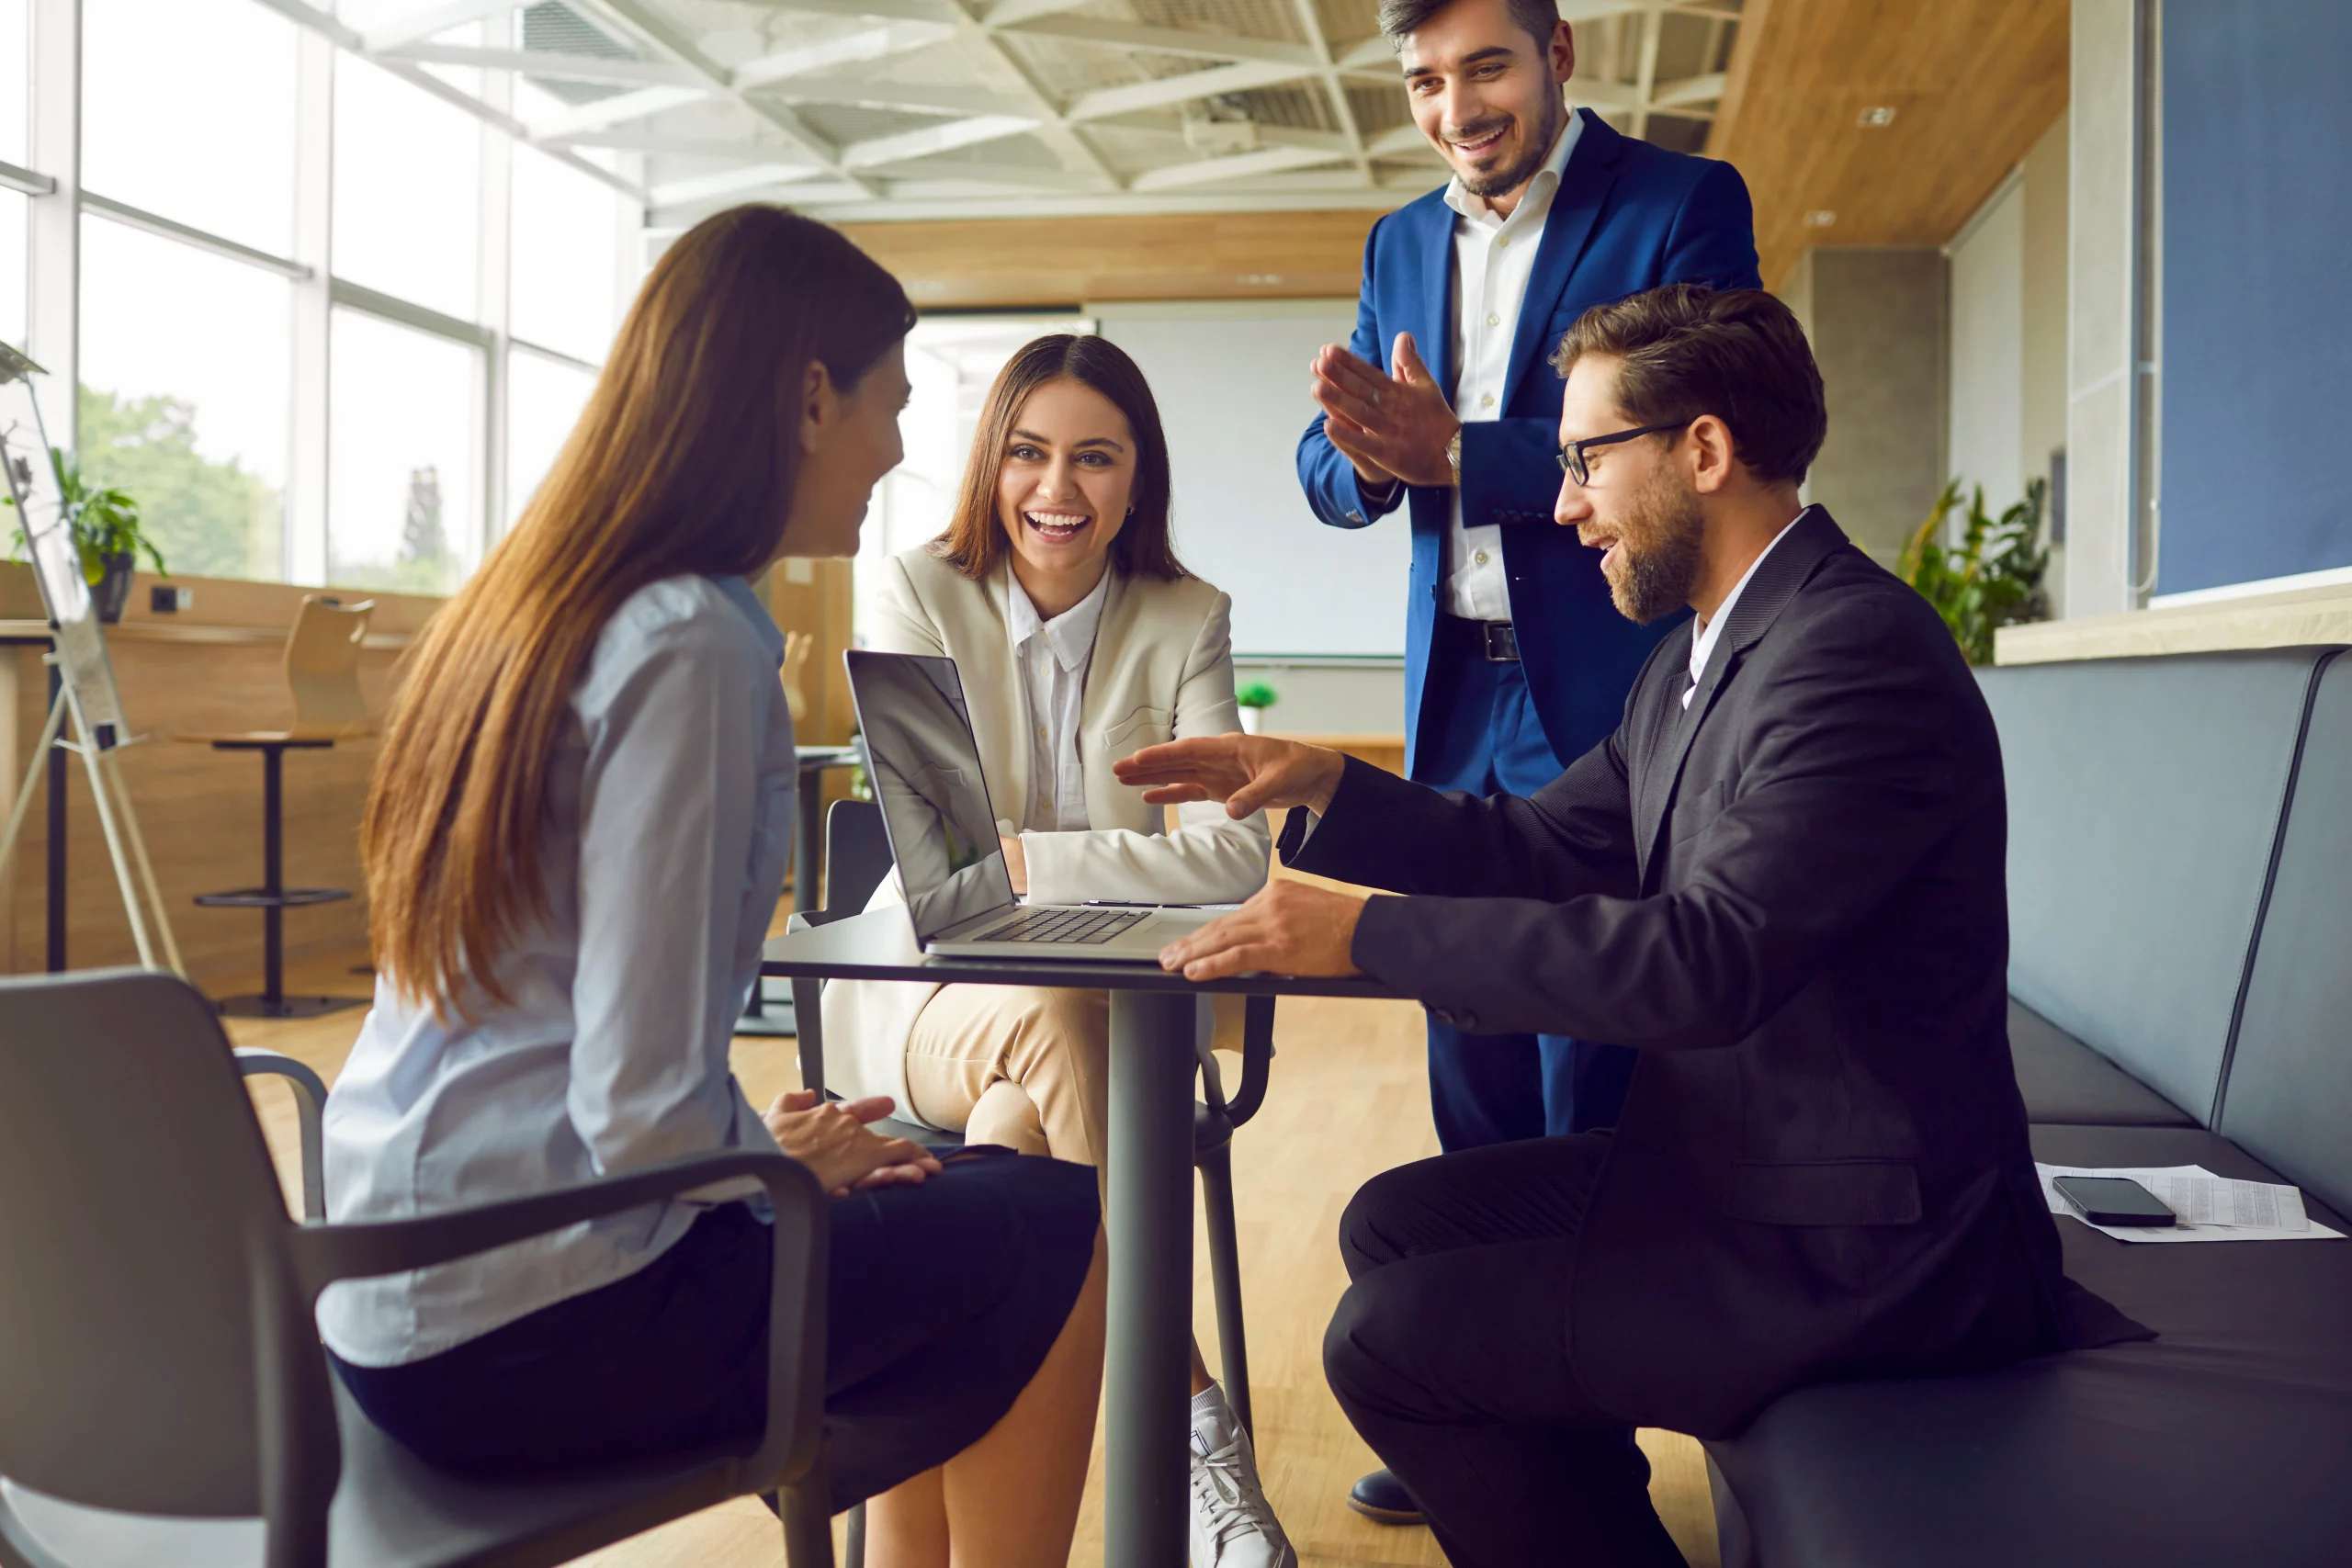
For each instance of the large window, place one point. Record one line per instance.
(544, 397)
(188, 409)
(407, 189)
(11, 268)
(569, 234)
(189, 111)
(335, 315)
(16, 41)
(403, 458)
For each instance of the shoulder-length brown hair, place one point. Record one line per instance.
(683, 462)
(976, 542)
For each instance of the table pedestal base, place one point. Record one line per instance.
(1150, 1223)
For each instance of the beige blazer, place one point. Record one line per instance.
(1162, 670)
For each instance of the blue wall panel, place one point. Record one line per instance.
(2257, 290)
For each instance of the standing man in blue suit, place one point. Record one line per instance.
(1515, 658)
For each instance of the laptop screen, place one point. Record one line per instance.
(927, 777)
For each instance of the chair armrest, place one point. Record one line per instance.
(1257, 1059)
(310, 1098)
(358, 1251)
(795, 1436)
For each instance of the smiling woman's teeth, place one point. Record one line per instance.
(1054, 525)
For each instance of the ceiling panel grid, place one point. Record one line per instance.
(875, 109)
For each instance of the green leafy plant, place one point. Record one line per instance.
(1256, 694)
(103, 520)
(1992, 576)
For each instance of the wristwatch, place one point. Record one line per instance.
(1453, 453)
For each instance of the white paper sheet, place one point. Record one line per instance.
(2210, 1207)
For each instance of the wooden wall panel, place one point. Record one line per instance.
(1046, 263)
(201, 809)
(1974, 83)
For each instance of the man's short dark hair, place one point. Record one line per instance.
(1737, 354)
(1536, 18)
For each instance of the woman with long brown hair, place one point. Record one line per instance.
(1078, 638)
(577, 834)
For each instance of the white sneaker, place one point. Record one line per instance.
(1232, 1525)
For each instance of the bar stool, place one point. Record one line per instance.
(323, 675)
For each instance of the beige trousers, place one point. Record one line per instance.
(1023, 1067)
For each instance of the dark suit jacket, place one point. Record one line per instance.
(1792, 898)
(1628, 216)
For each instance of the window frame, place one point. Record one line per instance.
(58, 199)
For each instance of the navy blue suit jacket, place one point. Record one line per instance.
(1628, 216)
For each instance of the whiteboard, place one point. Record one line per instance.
(1231, 380)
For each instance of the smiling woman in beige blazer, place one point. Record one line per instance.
(1079, 638)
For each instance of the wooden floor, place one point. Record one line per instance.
(1349, 1098)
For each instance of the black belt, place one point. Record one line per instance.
(1495, 639)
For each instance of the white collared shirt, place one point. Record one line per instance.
(1053, 655)
(1494, 261)
(1711, 631)
(663, 852)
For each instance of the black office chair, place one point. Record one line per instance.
(857, 857)
(163, 1398)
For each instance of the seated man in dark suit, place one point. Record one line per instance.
(1781, 879)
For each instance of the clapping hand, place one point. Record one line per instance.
(1395, 426)
(832, 1142)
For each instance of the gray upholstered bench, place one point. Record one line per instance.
(2181, 967)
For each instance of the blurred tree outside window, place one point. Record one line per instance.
(209, 517)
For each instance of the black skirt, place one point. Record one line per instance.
(943, 1299)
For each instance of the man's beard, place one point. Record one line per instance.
(1659, 544)
(1504, 181)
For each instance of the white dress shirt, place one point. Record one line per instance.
(1053, 655)
(1710, 632)
(669, 823)
(1494, 261)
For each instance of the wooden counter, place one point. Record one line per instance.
(215, 667)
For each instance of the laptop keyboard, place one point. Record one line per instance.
(1084, 927)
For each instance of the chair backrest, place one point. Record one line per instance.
(2144, 804)
(155, 1355)
(857, 855)
(323, 667)
(2287, 1096)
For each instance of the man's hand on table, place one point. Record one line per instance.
(833, 1142)
(1289, 928)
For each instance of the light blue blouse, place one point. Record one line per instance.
(668, 825)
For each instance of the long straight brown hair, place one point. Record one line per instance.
(975, 541)
(683, 462)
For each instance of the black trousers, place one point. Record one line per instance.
(1450, 1354)
(943, 1300)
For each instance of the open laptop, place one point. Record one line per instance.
(935, 807)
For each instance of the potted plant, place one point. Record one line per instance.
(1254, 699)
(105, 525)
(1992, 576)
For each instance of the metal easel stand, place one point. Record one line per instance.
(112, 797)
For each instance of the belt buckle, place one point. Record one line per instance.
(1501, 641)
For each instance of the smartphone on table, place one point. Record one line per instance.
(2112, 1200)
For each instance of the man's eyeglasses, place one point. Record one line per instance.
(1572, 457)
